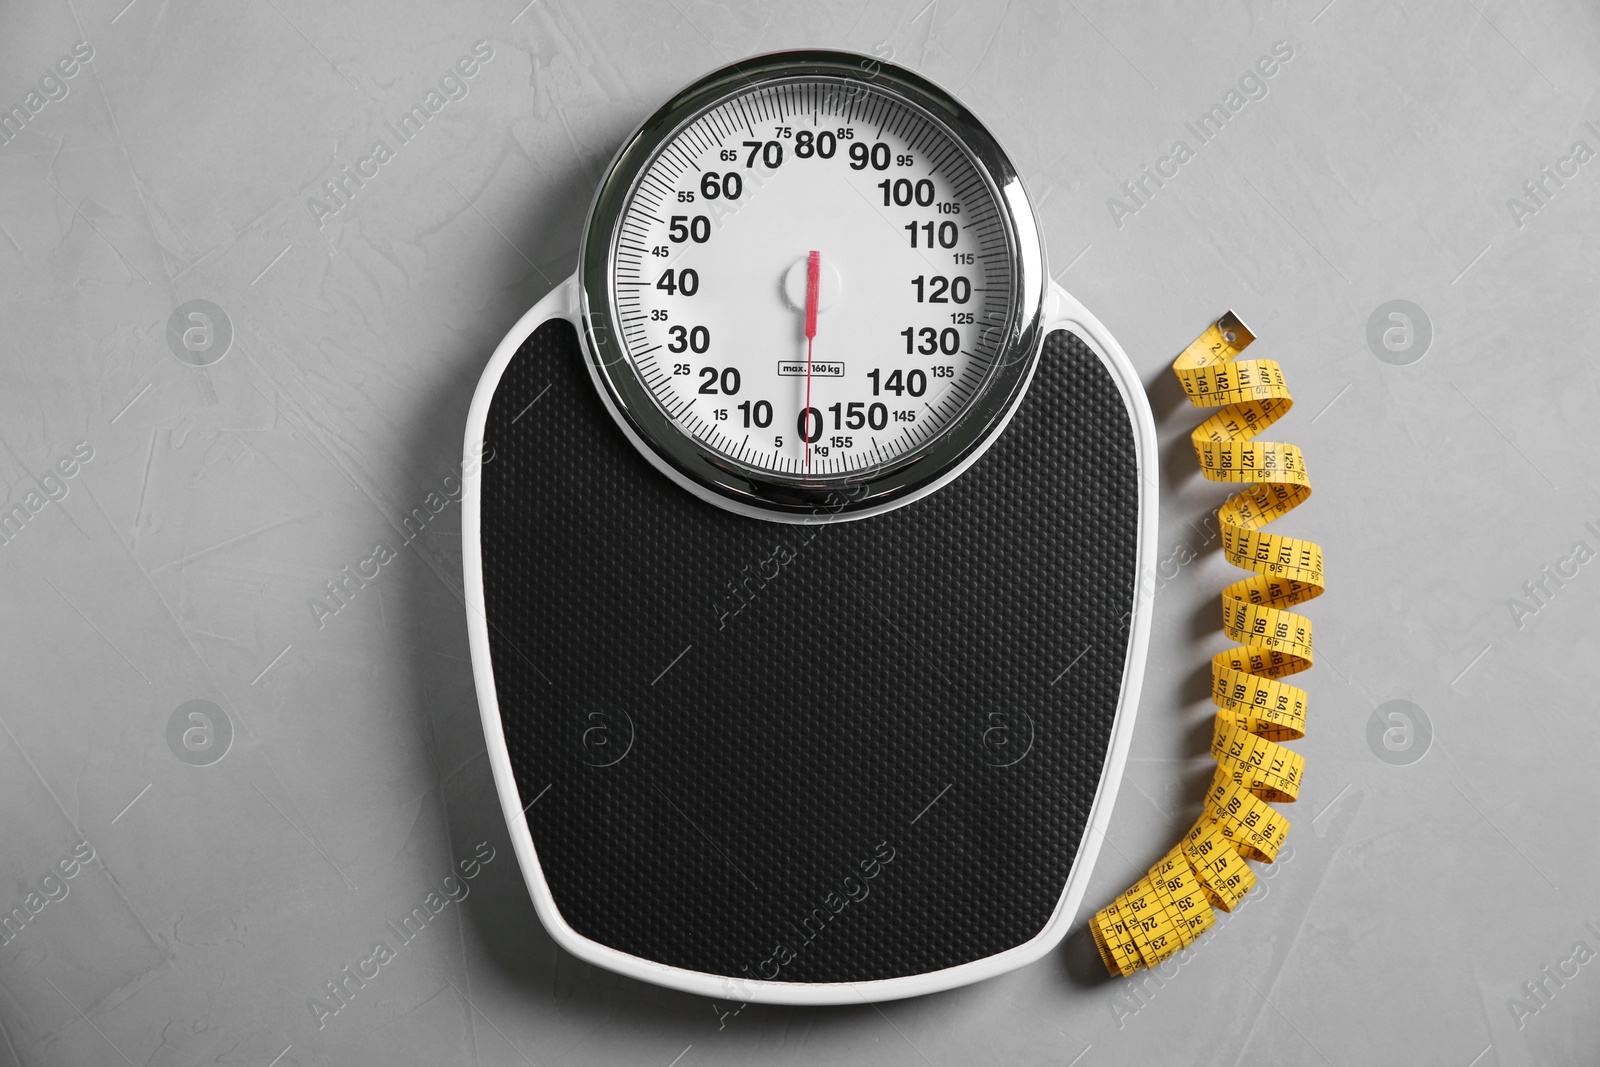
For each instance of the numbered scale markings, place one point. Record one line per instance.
(913, 291)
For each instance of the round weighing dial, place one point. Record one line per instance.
(812, 287)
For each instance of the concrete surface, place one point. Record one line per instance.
(211, 900)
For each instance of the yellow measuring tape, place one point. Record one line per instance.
(1173, 904)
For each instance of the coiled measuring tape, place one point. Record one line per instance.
(1174, 903)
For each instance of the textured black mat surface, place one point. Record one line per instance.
(807, 753)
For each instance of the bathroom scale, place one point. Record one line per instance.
(801, 532)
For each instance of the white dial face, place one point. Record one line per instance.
(813, 278)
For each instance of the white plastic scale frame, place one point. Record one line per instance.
(1060, 311)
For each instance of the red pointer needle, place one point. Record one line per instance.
(813, 283)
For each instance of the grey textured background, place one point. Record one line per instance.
(1416, 900)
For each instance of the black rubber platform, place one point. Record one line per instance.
(829, 753)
